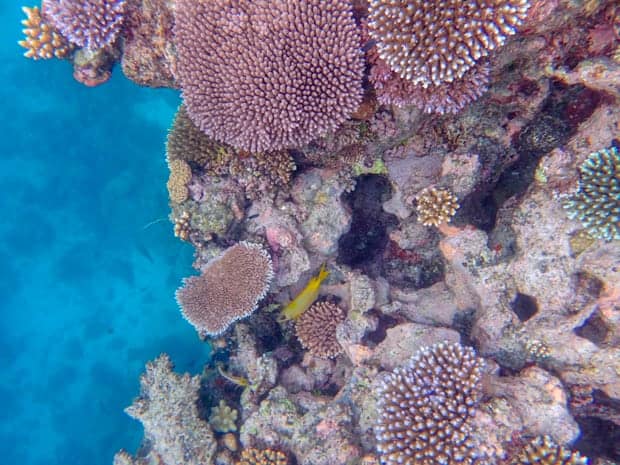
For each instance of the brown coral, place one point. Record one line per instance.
(316, 329)
(436, 206)
(424, 408)
(186, 142)
(262, 457)
(229, 288)
(266, 75)
(180, 175)
(42, 41)
(430, 43)
(262, 173)
(544, 451)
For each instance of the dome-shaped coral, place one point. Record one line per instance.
(316, 329)
(268, 74)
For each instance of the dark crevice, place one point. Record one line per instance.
(599, 439)
(524, 306)
(370, 225)
(593, 329)
(385, 322)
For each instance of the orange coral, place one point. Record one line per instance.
(42, 41)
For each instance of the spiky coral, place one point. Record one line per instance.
(544, 451)
(430, 43)
(42, 41)
(424, 408)
(266, 75)
(436, 206)
(92, 24)
(597, 202)
(316, 329)
(229, 288)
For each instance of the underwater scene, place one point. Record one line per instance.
(310, 232)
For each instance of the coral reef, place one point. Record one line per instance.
(542, 450)
(223, 418)
(436, 206)
(316, 329)
(228, 289)
(42, 40)
(173, 431)
(292, 79)
(92, 24)
(424, 408)
(597, 202)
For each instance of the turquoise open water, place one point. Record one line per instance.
(87, 272)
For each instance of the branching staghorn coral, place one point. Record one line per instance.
(267, 75)
(229, 288)
(424, 408)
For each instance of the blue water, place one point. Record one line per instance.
(87, 272)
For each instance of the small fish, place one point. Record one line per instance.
(305, 298)
(238, 380)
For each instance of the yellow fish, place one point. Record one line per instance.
(238, 380)
(305, 298)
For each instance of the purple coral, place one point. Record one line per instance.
(449, 97)
(268, 74)
(91, 24)
(424, 408)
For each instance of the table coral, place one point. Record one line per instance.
(229, 288)
(271, 87)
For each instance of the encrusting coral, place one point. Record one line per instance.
(430, 43)
(223, 418)
(92, 24)
(436, 206)
(316, 329)
(597, 202)
(262, 457)
(228, 289)
(425, 406)
(180, 175)
(42, 41)
(543, 450)
(172, 425)
(295, 76)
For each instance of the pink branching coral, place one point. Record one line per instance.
(429, 43)
(424, 407)
(449, 97)
(265, 75)
(228, 289)
(91, 24)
